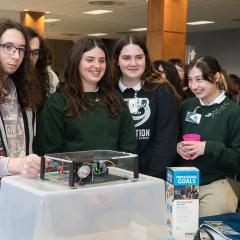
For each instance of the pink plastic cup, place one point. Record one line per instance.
(191, 137)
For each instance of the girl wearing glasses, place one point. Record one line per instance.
(17, 96)
(86, 113)
(213, 116)
(38, 58)
(152, 102)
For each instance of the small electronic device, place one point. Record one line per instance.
(87, 167)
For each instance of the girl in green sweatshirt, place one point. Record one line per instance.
(86, 113)
(213, 116)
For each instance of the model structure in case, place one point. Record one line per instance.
(88, 167)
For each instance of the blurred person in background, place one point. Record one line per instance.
(235, 82)
(52, 75)
(169, 71)
(38, 58)
(181, 68)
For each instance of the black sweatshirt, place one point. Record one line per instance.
(156, 123)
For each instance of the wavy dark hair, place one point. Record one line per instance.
(151, 76)
(178, 62)
(41, 66)
(22, 78)
(171, 74)
(71, 85)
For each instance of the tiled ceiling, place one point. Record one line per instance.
(126, 14)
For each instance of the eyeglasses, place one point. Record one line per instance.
(161, 72)
(10, 49)
(35, 53)
(180, 70)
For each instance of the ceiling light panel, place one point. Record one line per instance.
(51, 20)
(199, 23)
(99, 11)
(97, 34)
(138, 29)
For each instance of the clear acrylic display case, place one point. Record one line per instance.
(88, 167)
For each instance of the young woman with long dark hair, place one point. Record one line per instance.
(152, 101)
(86, 113)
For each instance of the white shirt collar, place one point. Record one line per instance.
(97, 89)
(217, 100)
(122, 87)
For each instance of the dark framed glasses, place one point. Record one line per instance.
(36, 53)
(10, 49)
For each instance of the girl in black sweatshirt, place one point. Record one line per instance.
(152, 102)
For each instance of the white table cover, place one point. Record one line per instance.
(34, 209)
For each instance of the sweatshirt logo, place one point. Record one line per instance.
(143, 112)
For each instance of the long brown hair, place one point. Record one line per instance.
(41, 66)
(151, 76)
(71, 86)
(171, 73)
(22, 78)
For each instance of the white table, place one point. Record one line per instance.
(34, 209)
